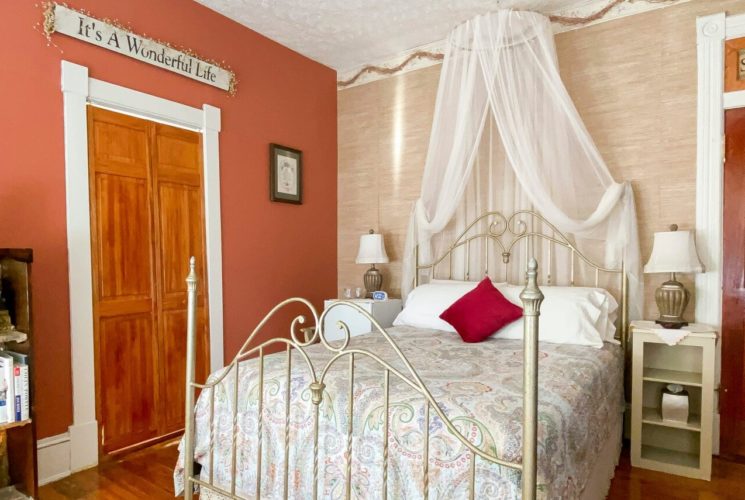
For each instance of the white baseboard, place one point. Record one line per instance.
(53, 458)
(61, 455)
(83, 445)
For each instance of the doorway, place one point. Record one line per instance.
(147, 219)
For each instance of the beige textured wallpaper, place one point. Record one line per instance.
(633, 81)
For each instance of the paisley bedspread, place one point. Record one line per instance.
(479, 387)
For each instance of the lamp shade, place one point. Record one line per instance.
(674, 252)
(372, 250)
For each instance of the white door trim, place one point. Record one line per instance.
(712, 31)
(710, 127)
(78, 91)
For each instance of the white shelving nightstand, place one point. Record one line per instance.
(673, 447)
(384, 312)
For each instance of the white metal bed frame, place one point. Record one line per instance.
(500, 231)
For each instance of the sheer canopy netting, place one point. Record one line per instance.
(500, 71)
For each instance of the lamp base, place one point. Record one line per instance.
(671, 325)
(672, 299)
(373, 281)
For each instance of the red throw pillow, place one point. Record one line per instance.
(481, 312)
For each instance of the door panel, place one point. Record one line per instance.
(127, 395)
(120, 145)
(174, 367)
(179, 206)
(124, 252)
(146, 221)
(174, 364)
(732, 393)
(178, 156)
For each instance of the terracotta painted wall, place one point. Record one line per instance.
(633, 81)
(270, 250)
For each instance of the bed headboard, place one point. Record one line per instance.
(498, 238)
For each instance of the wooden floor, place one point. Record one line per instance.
(149, 474)
(629, 483)
(146, 474)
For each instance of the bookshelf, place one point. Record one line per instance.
(18, 439)
(682, 448)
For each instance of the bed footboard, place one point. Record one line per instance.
(297, 342)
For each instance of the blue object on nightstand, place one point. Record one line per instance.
(380, 295)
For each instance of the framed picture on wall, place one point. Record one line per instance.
(285, 174)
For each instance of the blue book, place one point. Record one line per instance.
(17, 391)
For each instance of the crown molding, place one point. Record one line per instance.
(381, 68)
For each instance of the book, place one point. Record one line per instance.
(3, 393)
(21, 385)
(7, 386)
(20, 373)
(17, 390)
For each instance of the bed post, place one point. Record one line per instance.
(531, 298)
(625, 333)
(191, 327)
(416, 267)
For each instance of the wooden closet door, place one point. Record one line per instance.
(177, 176)
(123, 269)
(146, 221)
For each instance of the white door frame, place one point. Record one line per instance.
(712, 31)
(78, 91)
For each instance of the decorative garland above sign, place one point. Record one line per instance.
(80, 25)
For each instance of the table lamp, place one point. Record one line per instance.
(673, 252)
(372, 251)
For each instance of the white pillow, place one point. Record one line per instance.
(601, 298)
(569, 315)
(425, 303)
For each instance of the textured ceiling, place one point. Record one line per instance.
(345, 34)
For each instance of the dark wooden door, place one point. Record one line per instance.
(732, 393)
(146, 220)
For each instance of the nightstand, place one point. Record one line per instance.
(682, 448)
(384, 312)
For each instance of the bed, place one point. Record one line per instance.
(311, 421)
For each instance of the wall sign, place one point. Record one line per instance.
(61, 19)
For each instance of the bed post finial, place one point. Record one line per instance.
(191, 333)
(531, 292)
(191, 278)
(531, 298)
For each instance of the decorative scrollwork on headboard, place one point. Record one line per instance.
(506, 233)
(531, 229)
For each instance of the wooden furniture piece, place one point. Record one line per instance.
(383, 311)
(672, 447)
(20, 437)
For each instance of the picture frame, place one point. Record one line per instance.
(285, 174)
